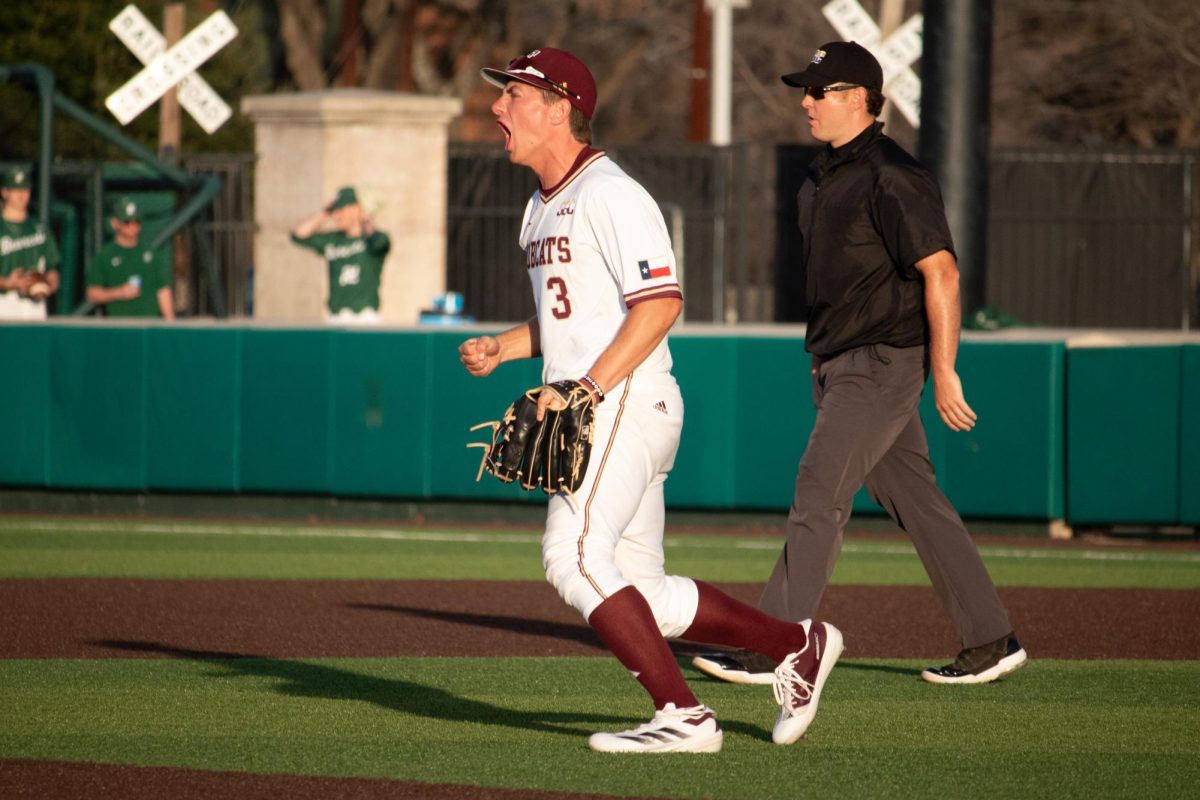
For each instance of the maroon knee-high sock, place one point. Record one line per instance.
(720, 619)
(626, 625)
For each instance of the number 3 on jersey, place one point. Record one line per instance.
(562, 305)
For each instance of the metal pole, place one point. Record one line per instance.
(720, 182)
(955, 99)
(698, 112)
(891, 15)
(45, 81)
(1189, 289)
(722, 56)
(169, 126)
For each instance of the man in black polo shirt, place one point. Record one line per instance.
(882, 287)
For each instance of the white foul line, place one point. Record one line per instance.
(696, 542)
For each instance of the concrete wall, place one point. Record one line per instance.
(392, 148)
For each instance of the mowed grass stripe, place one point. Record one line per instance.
(1055, 729)
(71, 547)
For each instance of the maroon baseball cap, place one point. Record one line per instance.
(839, 62)
(553, 69)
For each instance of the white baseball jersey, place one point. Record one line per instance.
(595, 245)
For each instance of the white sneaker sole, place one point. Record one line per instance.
(1003, 667)
(604, 743)
(738, 676)
(790, 727)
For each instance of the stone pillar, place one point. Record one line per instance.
(392, 148)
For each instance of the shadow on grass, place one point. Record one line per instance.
(533, 627)
(581, 634)
(303, 679)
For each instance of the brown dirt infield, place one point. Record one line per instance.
(86, 618)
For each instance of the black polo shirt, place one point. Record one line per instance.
(868, 212)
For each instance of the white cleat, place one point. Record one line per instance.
(673, 730)
(798, 694)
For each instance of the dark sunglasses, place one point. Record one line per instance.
(818, 92)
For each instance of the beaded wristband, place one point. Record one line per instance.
(591, 383)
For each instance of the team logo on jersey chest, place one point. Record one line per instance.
(655, 268)
(567, 208)
(552, 249)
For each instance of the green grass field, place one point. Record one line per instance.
(1063, 729)
(105, 548)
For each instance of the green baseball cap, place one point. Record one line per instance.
(15, 178)
(345, 197)
(125, 209)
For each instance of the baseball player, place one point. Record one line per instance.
(606, 291)
(26, 249)
(127, 276)
(354, 251)
(884, 313)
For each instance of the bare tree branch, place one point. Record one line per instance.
(301, 26)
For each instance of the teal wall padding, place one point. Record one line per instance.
(25, 403)
(381, 396)
(287, 424)
(1189, 439)
(1123, 434)
(193, 408)
(710, 467)
(1013, 458)
(461, 401)
(97, 407)
(1104, 434)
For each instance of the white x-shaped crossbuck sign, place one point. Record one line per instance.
(166, 68)
(896, 53)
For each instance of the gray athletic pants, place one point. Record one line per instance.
(868, 430)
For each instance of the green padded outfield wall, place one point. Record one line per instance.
(754, 424)
(193, 383)
(1189, 440)
(97, 407)
(1123, 434)
(24, 445)
(225, 407)
(1013, 458)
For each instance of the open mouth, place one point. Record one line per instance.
(507, 133)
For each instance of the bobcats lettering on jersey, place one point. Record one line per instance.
(551, 250)
(605, 226)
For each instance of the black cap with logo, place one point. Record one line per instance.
(839, 62)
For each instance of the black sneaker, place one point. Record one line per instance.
(981, 664)
(739, 666)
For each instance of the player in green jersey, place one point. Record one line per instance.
(354, 251)
(28, 254)
(127, 276)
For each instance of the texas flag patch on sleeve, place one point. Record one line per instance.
(655, 268)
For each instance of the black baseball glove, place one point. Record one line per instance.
(551, 455)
